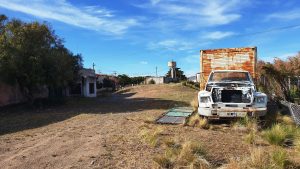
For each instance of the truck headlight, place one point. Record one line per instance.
(204, 99)
(260, 100)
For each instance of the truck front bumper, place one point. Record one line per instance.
(233, 112)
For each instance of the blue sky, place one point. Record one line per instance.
(135, 36)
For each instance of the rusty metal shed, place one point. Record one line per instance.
(227, 59)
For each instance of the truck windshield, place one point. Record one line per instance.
(229, 76)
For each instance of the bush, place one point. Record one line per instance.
(193, 85)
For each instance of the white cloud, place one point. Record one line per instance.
(170, 44)
(288, 15)
(91, 17)
(217, 35)
(143, 62)
(195, 13)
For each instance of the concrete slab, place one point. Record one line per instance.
(176, 115)
(171, 120)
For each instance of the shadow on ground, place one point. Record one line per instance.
(20, 117)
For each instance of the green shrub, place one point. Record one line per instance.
(279, 158)
(279, 133)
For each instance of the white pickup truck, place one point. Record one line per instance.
(229, 94)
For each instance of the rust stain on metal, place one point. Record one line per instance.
(227, 59)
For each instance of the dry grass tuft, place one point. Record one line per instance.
(251, 137)
(190, 151)
(233, 164)
(196, 121)
(194, 103)
(149, 120)
(250, 124)
(151, 136)
(199, 163)
(258, 158)
(172, 148)
(163, 162)
(297, 143)
(288, 120)
(279, 133)
(276, 158)
(188, 155)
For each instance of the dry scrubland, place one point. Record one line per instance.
(117, 131)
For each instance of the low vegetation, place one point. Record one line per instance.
(194, 103)
(193, 85)
(190, 154)
(276, 158)
(196, 121)
(151, 136)
(279, 134)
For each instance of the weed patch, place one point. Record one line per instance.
(196, 121)
(278, 134)
(151, 136)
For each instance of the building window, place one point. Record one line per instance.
(92, 88)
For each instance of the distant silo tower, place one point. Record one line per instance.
(172, 66)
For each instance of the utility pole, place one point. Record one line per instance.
(94, 66)
(156, 70)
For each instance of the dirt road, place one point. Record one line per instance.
(104, 132)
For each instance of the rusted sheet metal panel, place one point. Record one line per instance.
(227, 59)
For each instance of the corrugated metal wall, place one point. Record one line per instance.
(227, 59)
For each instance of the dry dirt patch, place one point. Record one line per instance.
(104, 132)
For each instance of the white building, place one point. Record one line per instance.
(86, 86)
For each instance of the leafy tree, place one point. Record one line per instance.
(179, 74)
(124, 80)
(137, 80)
(277, 73)
(33, 57)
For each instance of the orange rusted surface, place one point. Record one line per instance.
(227, 59)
